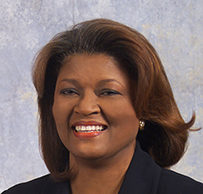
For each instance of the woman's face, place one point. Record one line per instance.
(92, 107)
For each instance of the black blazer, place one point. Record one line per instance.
(143, 176)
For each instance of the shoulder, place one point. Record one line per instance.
(172, 182)
(35, 186)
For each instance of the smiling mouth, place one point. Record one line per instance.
(89, 128)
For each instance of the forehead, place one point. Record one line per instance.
(90, 61)
(99, 66)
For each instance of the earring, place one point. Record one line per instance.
(141, 126)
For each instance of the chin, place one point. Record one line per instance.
(90, 154)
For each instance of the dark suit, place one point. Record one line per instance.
(143, 177)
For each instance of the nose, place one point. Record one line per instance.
(87, 105)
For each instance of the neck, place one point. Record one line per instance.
(101, 176)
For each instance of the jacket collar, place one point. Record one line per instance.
(56, 188)
(142, 176)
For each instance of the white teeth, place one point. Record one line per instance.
(88, 128)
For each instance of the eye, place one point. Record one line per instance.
(69, 92)
(109, 92)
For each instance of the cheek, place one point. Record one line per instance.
(128, 121)
(123, 116)
(61, 112)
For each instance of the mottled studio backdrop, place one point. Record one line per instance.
(174, 28)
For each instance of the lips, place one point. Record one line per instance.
(88, 129)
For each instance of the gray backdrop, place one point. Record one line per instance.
(173, 27)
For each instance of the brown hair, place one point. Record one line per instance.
(165, 133)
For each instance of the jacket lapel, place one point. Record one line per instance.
(142, 176)
(56, 188)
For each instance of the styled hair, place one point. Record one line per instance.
(165, 133)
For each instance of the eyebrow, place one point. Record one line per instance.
(72, 81)
(76, 83)
(109, 80)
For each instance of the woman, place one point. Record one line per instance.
(109, 121)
